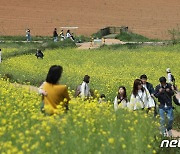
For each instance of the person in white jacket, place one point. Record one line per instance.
(120, 100)
(140, 97)
(85, 89)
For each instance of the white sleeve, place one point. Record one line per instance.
(132, 102)
(169, 78)
(40, 89)
(115, 104)
(88, 90)
(83, 90)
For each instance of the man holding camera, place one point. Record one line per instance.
(164, 94)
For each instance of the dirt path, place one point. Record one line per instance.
(175, 133)
(29, 87)
(98, 42)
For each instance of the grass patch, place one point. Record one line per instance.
(11, 49)
(133, 37)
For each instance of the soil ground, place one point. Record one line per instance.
(150, 18)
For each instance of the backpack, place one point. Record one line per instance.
(78, 90)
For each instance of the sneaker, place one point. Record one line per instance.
(169, 132)
(165, 134)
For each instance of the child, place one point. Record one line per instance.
(102, 99)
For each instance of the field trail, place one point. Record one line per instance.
(97, 43)
(175, 133)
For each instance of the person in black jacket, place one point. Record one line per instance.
(164, 94)
(148, 85)
(39, 54)
(55, 35)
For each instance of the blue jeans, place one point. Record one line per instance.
(169, 112)
(55, 39)
(28, 37)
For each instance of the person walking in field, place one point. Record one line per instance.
(140, 97)
(121, 100)
(148, 87)
(55, 35)
(164, 94)
(54, 94)
(28, 35)
(171, 79)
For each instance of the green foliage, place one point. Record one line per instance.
(11, 49)
(132, 37)
(81, 39)
(23, 38)
(175, 35)
(67, 43)
(97, 35)
(108, 68)
(121, 46)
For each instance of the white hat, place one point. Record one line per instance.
(168, 70)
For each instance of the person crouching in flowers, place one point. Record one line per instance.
(54, 94)
(102, 99)
(120, 100)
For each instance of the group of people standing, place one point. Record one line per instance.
(143, 95)
(68, 35)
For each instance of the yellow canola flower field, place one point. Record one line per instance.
(88, 127)
(108, 69)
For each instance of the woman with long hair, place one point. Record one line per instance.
(140, 97)
(121, 98)
(137, 100)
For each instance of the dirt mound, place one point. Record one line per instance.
(150, 18)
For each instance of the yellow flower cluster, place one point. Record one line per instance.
(88, 127)
(107, 69)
